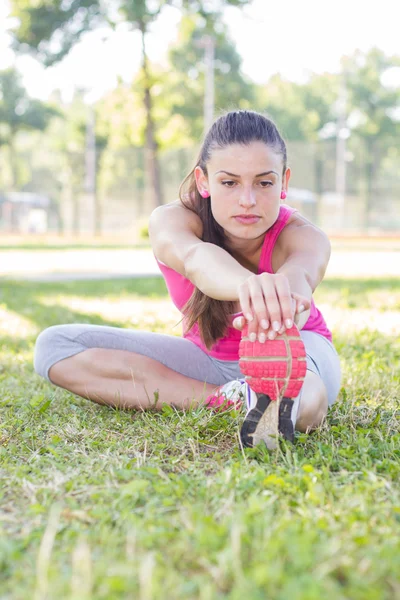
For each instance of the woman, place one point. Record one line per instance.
(239, 265)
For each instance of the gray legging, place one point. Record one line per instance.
(62, 341)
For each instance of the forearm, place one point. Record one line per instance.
(215, 272)
(303, 283)
(299, 280)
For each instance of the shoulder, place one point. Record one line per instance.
(298, 226)
(175, 215)
(301, 236)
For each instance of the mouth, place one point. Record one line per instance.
(247, 219)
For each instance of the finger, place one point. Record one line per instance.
(244, 300)
(258, 302)
(301, 307)
(302, 303)
(261, 334)
(239, 323)
(253, 328)
(285, 299)
(272, 304)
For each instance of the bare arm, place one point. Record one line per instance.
(304, 255)
(175, 234)
(305, 252)
(300, 259)
(266, 299)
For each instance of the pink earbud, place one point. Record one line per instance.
(283, 195)
(205, 194)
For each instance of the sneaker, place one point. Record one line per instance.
(230, 395)
(275, 374)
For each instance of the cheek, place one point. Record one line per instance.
(218, 210)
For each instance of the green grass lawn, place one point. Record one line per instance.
(101, 504)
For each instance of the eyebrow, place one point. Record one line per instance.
(259, 175)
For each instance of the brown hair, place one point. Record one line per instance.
(236, 127)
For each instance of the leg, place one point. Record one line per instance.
(313, 403)
(127, 380)
(124, 368)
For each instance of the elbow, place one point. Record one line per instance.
(152, 225)
(192, 263)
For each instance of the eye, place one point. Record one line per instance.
(265, 184)
(229, 183)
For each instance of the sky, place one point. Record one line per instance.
(294, 38)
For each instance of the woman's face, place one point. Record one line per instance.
(245, 184)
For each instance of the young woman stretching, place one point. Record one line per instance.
(242, 268)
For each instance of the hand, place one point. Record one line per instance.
(269, 307)
(266, 304)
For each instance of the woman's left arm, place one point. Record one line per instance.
(304, 252)
(303, 255)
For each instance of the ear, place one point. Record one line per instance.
(201, 180)
(286, 178)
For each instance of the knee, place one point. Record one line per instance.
(49, 346)
(313, 404)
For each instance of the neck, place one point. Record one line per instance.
(246, 252)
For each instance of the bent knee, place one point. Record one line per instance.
(53, 344)
(313, 404)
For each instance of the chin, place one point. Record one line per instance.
(244, 233)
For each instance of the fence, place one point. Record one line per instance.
(367, 199)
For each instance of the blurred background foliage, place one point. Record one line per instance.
(102, 167)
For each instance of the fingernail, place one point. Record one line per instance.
(253, 337)
(271, 335)
(288, 323)
(264, 324)
(261, 338)
(301, 308)
(249, 316)
(276, 326)
(282, 330)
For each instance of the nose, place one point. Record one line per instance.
(247, 197)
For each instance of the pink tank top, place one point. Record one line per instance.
(227, 348)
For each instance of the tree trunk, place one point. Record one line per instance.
(91, 165)
(75, 213)
(13, 161)
(371, 167)
(152, 166)
(98, 212)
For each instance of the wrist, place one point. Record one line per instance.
(298, 280)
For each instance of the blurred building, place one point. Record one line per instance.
(25, 212)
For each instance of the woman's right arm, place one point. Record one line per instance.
(175, 235)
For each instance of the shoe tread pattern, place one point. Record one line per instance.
(268, 374)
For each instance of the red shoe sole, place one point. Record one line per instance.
(276, 367)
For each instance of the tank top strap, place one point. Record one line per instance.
(265, 264)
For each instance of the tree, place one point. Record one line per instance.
(184, 87)
(50, 28)
(373, 111)
(79, 141)
(18, 112)
(301, 112)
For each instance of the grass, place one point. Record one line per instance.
(101, 504)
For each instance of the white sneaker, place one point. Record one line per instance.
(267, 419)
(231, 394)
